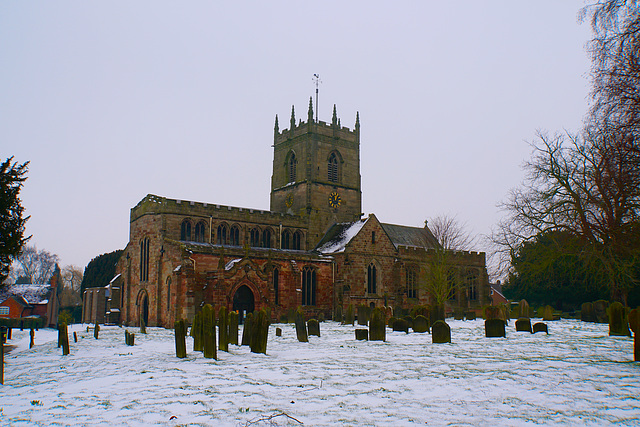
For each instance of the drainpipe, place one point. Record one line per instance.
(210, 230)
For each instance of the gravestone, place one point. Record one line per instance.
(233, 327)
(440, 332)
(547, 313)
(634, 323)
(600, 308)
(494, 328)
(400, 325)
(350, 316)
(523, 325)
(523, 310)
(259, 332)
(301, 326)
(338, 314)
(587, 312)
(618, 321)
(313, 327)
(209, 332)
(181, 343)
(362, 334)
(246, 331)
(470, 315)
(420, 324)
(278, 332)
(377, 325)
(540, 327)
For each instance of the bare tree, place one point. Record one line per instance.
(72, 277)
(37, 265)
(443, 278)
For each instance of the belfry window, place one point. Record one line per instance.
(308, 286)
(144, 260)
(286, 240)
(199, 237)
(372, 279)
(255, 238)
(185, 230)
(293, 162)
(297, 237)
(266, 238)
(234, 236)
(332, 173)
(222, 235)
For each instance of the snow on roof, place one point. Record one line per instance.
(339, 236)
(32, 293)
(115, 278)
(228, 266)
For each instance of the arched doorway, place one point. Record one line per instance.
(243, 302)
(144, 310)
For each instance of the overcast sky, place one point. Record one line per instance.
(110, 101)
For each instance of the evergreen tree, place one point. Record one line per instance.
(12, 177)
(100, 270)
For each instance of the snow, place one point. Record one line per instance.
(228, 266)
(340, 242)
(576, 375)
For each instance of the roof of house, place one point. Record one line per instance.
(339, 236)
(402, 235)
(17, 298)
(32, 293)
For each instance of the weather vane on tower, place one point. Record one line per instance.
(316, 79)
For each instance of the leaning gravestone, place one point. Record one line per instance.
(313, 327)
(523, 325)
(634, 323)
(540, 327)
(301, 326)
(377, 325)
(587, 312)
(420, 324)
(600, 309)
(440, 332)
(494, 328)
(618, 321)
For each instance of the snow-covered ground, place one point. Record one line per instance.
(576, 375)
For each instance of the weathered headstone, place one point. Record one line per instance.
(350, 316)
(470, 315)
(196, 332)
(223, 329)
(547, 313)
(540, 327)
(291, 315)
(259, 332)
(440, 332)
(390, 321)
(494, 328)
(458, 315)
(301, 326)
(377, 325)
(338, 314)
(209, 332)
(363, 315)
(313, 327)
(409, 320)
(96, 330)
(143, 326)
(618, 321)
(600, 309)
(64, 339)
(437, 313)
(634, 323)
(523, 310)
(362, 334)
(400, 325)
(420, 324)
(523, 324)
(181, 343)
(233, 327)
(587, 312)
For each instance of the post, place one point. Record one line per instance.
(32, 334)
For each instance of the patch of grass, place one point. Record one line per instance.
(36, 403)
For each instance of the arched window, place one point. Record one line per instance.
(276, 290)
(222, 235)
(234, 236)
(293, 162)
(308, 286)
(254, 238)
(185, 230)
(372, 279)
(412, 283)
(286, 240)
(144, 260)
(266, 238)
(199, 235)
(168, 293)
(472, 285)
(332, 168)
(297, 237)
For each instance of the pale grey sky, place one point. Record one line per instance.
(110, 101)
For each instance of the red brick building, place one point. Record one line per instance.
(311, 249)
(24, 300)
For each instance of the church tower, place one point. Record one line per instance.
(316, 172)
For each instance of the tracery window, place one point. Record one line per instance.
(412, 283)
(266, 238)
(254, 238)
(199, 234)
(286, 240)
(185, 230)
(222, 238)
(144, 259)
(297, 237)
(472, 285)
(308, 286)
(332, 168)
(372, 279)
(234, 236)
(293, 162)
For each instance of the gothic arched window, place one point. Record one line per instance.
(297, 237)
(472, 285)
(144, 260)
(286, 240)
(185, 230)
(412, 283)
(372, 279)
(308, 286)
(276, 283)
(293, 162)
(222, 238)
(255, 238)
(234, 236)
(199, 235)
(332, 168)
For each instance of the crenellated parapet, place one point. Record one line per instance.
(454, 257)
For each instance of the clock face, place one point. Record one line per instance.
(289, 200)
(334, 200)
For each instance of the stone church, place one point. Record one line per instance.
(313, 248)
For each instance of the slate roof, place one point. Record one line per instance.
(401, 235)
(339, 236)
(32, 293)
